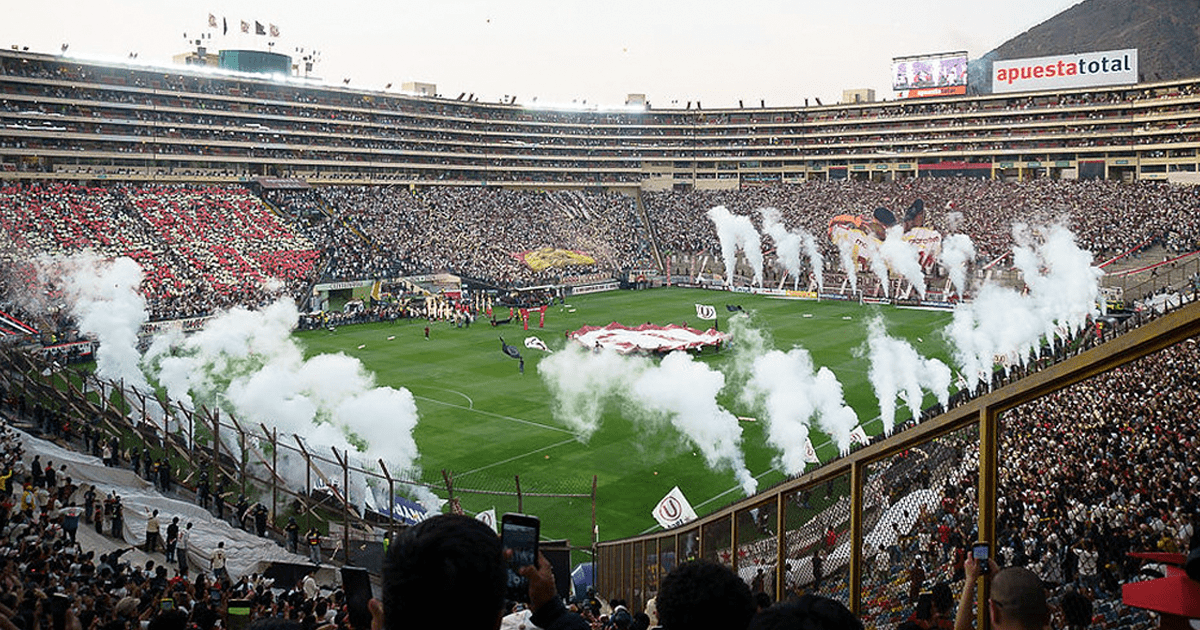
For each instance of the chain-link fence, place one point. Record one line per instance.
(214, 456)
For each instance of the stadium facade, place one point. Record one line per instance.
(70, 119)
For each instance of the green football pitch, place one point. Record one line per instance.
(486, 423)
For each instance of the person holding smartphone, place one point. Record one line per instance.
(451, 571)
(1017, 600)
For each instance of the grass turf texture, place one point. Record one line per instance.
(486, 423)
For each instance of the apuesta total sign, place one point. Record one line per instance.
(1109, 67)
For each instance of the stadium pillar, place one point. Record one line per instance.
(989, 441)
(857, 472)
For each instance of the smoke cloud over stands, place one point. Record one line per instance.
(735, 231)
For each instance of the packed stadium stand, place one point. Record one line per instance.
(234, 189)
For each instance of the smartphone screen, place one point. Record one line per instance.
(166, 603)
(58, 610)
(238, 613)
(520, 533)
(357, 585)
(980, 551)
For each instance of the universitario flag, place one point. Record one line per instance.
(706, 311)
(488, 517)
(274, 30)
(674, 510)
(810, 453)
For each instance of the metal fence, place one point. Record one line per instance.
(249, 459)
(1023, 467)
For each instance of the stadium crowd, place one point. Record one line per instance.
(207, 248)
(1108, 218)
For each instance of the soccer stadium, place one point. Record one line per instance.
(830, 346)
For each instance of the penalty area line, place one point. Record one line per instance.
(496, 415)
(513, 459)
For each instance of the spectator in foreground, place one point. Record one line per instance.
(1017, 601)
(810, 612)
(701, 595)
(450, 571)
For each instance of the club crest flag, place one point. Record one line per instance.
(860, 436)
(810, 453)
(674, 510)
(536, 344)
(488, 517)
(706, 311)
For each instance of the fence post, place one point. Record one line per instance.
(520, 499)
(344, 462)
(449, 479)
(989, 440)
(857, 473)
(391, 500)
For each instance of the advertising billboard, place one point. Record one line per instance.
(1071, 70)
(941, 74)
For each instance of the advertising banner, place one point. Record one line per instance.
(1072, 70)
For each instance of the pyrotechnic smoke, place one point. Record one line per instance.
(1002, 324)
(788, 245)
(849, 265)
(815, 259)
(686, 392)
(736, 231)
(103, 297)
(677, 389)
(584, 382)
(903, 258)
(954, 221)
(793, 395)
(897, 369)
(957, 251)
(248, 364)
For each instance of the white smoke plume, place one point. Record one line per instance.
(788, 245)
(103, 297)
(815, 259)
(898, 370)
(792, 395)
(954, 220)
(677, 389)
(903, 258)
(957, 251)
(788, 392)
(686, 392)
(1006, 326)
(247, 363)
(583, 383)
(735, 231)
(849, 264)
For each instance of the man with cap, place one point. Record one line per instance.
(1017, 600)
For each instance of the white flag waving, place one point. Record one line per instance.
(488, 517)
(706, 311)
(810, 453)
(674, 510)
(860, 436)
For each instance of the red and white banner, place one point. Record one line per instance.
(674, 510)
(646, 338)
